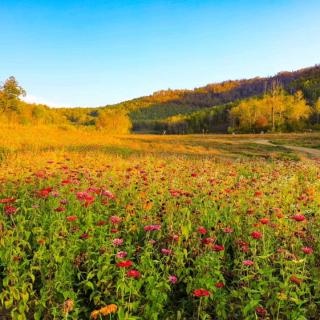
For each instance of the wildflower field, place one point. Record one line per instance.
(144, 227)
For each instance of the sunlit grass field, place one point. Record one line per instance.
(158, 227)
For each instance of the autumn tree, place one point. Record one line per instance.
(114, 121)
(10, 93)
(317, 110)
(274, 111)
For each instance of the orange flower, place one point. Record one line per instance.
(95, 314)
(68, 306)
(111, 308)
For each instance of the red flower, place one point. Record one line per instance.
(202, 230)
(72, 218)
(295, 280)
(258, 194)
(86, 198)
(307, 250)
(133, 274)
(84, 236)
(264, 220)
(60, 209)
(9, 210)
(256, 235)
(207, 240)
(227, 230)
(66, 182)
(8, 200)
(201, 293)
(218, 248)
(124, 264)
(101, 223)
(219, 285)
(44, 193)
(298, 217)
(260, 311)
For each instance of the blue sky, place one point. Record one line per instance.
(94, 52)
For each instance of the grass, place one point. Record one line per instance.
(157, 227)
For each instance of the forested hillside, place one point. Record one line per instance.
(287, 101)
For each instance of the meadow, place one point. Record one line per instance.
(158, 227)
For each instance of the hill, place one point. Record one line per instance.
(204, 109)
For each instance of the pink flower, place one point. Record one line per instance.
(121, 254)
(173, 279)
(166, 252)
(175, 237)
(115, 219)
(307, 250)
(227, 230)
(108, 194)
(247, 262)
(152, 227)
(117, 242)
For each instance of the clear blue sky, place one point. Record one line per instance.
(94, 52)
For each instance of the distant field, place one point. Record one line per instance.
(35, 139)
(158, 227)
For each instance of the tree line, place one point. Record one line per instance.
(286, 102)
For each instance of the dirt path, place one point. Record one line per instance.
(315, 153)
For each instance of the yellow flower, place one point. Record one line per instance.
(282, 296)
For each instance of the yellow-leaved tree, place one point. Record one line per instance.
(274, 111)
(114, 122)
